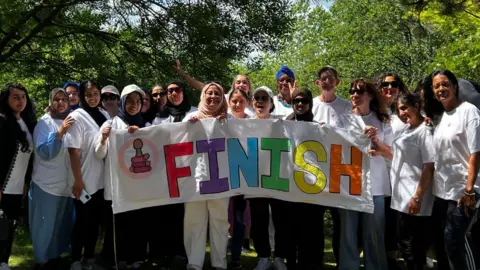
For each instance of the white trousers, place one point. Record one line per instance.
(198, 215)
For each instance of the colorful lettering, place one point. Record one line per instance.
(276, 146)
(215, 184)
(173, 173)
(238, 161)
(353, 170)
(299, 159)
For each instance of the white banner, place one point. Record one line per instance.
(287, 160)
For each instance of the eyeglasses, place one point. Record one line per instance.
(106, 97)
(177, 90)
(301, 100)
(58, 100)
(161, 94)
(392, 84)
(358, 91)
(261, 98)
(285, 80)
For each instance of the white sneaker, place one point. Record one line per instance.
(263, 264)
(279, 264)
(76, 266)
(4, 266)
(429, 262)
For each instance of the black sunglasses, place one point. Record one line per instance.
(301, 100)
(177, 90)
(392, 84)
(358, 91)
(161, 94)
(261, 98)
(106, 97)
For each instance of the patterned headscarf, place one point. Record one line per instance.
(218, 111)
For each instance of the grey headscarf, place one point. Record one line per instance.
(53, 113)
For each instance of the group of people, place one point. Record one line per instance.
(423, 173)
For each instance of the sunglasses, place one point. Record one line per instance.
(358, 91)
(261, 98)
(392, 84)
(177, 90)
(161, 94)
(109, 97)
(301, 100)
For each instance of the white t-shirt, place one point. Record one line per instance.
(16, 181)
(280, 108)
(158, 121)
(101, 151)
(83, 135)
(248, 109)
(411, 149)
(193, 114)
(378, 170)
(329, 113)
(52, 176)
(456, 137)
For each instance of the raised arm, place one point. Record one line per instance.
(196, 85)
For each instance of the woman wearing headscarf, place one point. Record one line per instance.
(88, 170)
(130, 238)
(149, 109)
(17, 122)
(304, 244)
(209, 213)
(72, 91)
(51, 205)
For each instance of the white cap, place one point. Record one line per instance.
(264, 89)
(110, 89)
(132, 88)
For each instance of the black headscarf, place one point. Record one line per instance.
(178, 112)
(94, 112)
(131, 120)
(150, 114)
(308, 115)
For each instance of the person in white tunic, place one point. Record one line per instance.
(17, 122)
(88, 170)
(370, 115)
(51, 205)
(411, 179)
(130, 237)
(327, 108)
(456, 181)
(212, 213)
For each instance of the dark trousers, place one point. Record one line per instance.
(238, 234)
(165, 231)
(260, 214)
(87, 224)
(11, 206)
(413, 239)
(108, 254)
(309, 236)
(391, 228)
(455, 224)
(130, 236)
(336, 233)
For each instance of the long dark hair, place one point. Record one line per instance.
(402, 88)
(151, 113)
(376, 104)
(432, 106)
(28, 115)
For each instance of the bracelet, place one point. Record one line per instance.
(416, 198)
(471, 193)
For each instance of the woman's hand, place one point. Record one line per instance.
(414, 206)
(193, 119)
(428, 121)
(292, 86)
(105, 134)
(370, 132)
(468, 202)
(77, 189)
(66, 124)
(178, 66)
(132, 129)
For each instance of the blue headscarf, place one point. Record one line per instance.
(74, 84)
(285, 70)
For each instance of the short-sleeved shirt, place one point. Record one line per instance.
(83, 135)
(281, 109)
(411, 149)
(329, 113)
(456, 137)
